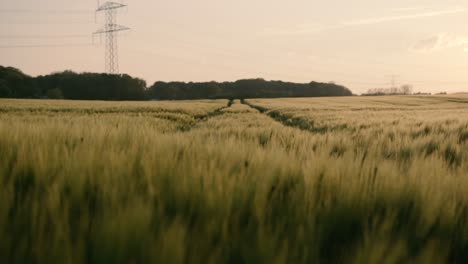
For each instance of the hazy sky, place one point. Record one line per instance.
(357, 43)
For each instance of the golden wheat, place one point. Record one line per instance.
(325, 180)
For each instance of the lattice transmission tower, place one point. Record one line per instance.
(110, 30)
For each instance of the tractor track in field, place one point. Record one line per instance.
(217, 112)
(203, 118)
(288, 120)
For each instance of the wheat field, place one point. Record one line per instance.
(311, 180)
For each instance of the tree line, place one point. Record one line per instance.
(402, 90)
(249, 88)
(70, 85)
(98, 86)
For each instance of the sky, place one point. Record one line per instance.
(361, 44)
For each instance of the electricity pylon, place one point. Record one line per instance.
(110, 30)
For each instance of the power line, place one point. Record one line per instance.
(61, 22)
(43, 36)
(44, 46)
(45, 11)
(440, 82)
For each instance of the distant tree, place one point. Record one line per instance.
(407, 89)
(54, 93)
(403, 90)
(422, 93)
(4, 89)
(18, 84)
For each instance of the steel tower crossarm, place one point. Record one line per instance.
(109, 6)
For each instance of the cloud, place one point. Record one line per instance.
(305, 29)
(409, 8)
(441, 42)
(378, 20)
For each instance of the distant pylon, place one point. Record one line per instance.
(110, 31)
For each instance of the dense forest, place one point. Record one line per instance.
(70, 85)
(97, 86)
(251, 88)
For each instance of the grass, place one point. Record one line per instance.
(326, 180)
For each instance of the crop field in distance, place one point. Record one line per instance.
(311, 180)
